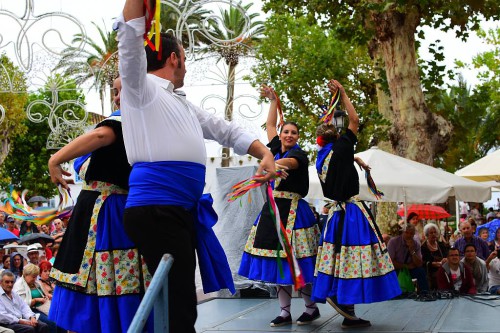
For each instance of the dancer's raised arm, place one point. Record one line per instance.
(335, 85)
(272, 116)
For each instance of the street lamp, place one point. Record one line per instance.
(339, 119)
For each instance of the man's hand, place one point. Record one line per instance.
(268, 166)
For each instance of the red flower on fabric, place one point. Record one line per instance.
(325, 257)
(116, 260)
(118, 290)
(104, 256)
(104, 274)
(131, 271)
(131, 255)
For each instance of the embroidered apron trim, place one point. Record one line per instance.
(324, 167)
(81, 278)
(304, 241)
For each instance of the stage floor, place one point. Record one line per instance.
(455, 315)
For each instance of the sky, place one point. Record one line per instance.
(199, 90)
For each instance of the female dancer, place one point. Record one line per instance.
(353, 265)
(259, 260)
(98, 271)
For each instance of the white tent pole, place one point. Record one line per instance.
(457, 214)
(404, 205)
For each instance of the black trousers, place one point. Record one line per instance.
(157, 230)
(21, 328)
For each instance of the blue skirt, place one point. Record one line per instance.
(111, 291)
(358, 269)
(261, 264)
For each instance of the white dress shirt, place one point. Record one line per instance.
(158, 124)
(11, 310)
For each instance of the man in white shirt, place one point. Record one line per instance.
(15, 314)
(493, 263)
(164, 138)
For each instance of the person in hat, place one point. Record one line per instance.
(33, 254)
(11, 225)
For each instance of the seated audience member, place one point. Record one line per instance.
(27, 228)
(419, 229)
(31, 292)
(468, 237)
(44, 228)
(493, 263)
(434, 253)
(404, 251)
(6, 262)
(453, 275)
(33, 254)
(47, 286)
(491, 214)
(15, 314)
(16, 264)
(478, 268)
(495, 243)
(11, 226)
(58, 232)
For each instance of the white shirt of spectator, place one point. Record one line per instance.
(11, 310)
(494, 273)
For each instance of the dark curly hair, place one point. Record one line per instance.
(328, 132)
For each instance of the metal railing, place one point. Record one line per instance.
(157, 296)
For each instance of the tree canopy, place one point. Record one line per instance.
(13, 98)
(26, 165)
(297, 58)
(387, 29)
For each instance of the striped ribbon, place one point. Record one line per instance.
(153, 26)
(17, 207)
(298, 278)
(327, 116)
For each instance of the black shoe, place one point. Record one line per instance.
(281, 321)
(307, 318)
(348, 323)
(347, 311)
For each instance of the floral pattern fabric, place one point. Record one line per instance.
(304, 241)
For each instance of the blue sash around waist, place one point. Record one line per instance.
(169, 183)
(181, 184)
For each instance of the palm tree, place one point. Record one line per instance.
(93, 61)
(231, 38)
(184, 19)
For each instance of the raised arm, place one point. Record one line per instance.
(134, 9)
(333, 85)
(272, 116)
(84, 144)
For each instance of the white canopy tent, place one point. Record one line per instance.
(484, 169)
(404, 180)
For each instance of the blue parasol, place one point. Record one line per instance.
(7, 236)
(492, 229)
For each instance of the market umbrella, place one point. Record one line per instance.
(35, 238)
(428, 212)
(492, 227)
(484, 169)
(37, 198)
(7, 236)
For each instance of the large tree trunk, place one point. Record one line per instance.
(228, 112)
(417, 133)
